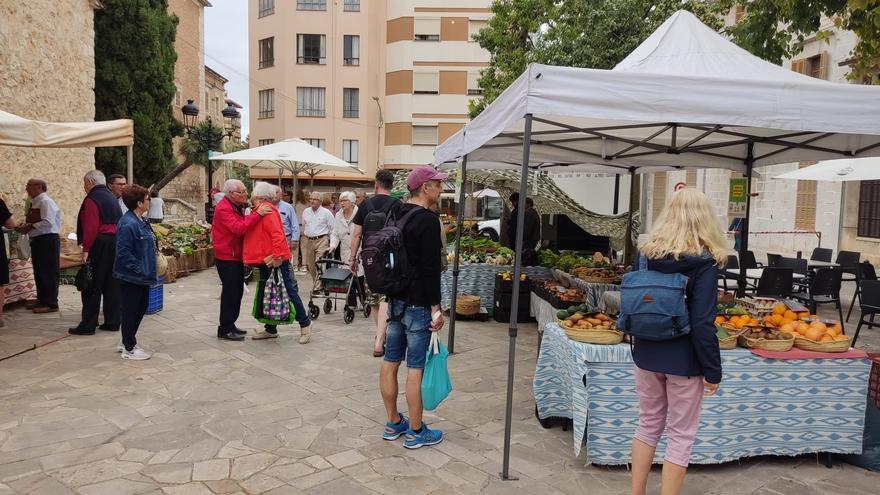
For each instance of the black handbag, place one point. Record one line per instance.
(84, 278)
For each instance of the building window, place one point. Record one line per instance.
(267, 104)
(350, 103)
(352, 6)
(310, 102)
(475, 25)
(738, 13)
(264, 142)
(426, 83)
(267, 7)
(311, 49)
(473, 87)
(311, 4)
(317, 142)
(351, 50)
(350, 151)
(267, 52)
(869, 209)
(424, 135)
(427, 29)
(805, 203)
(816, 66)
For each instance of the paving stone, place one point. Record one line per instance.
(245, 467)
(223, 487)
(288, 472)
(119, 486)
(94, 472)
(345, 459)
(136, 455)
(260, 483)
(169, 473)
(316, 479)
(339, 486)
(317, 462)
(214, 469)
(82, 456)
(20, 469)
(39, 483)
(188, 489)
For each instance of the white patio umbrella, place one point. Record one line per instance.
(487, 193)
(846, 169)
(293, 155)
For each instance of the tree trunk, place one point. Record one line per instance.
(170, 176)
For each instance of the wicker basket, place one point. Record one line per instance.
(593, 336)
(467, 305)
(597, 280)
(729, 342)
(758, 307)
(767, 345)
(812, 345)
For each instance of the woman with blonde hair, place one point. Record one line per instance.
(673, 376)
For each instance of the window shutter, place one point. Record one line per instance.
(426, 82)
(475, 25)
(799, 65)
(430, 26)
(691, 178)
(805, 206)
(424, 134)
(659, 195)
(823, 66)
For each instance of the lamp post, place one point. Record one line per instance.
(378, 130)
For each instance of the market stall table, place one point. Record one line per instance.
(822, 264)
(755, 273)
(764, 406)
(478, 279)
(21, 286)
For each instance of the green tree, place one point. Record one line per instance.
(776, 29)
(134, 78)
(576, 33)
(203, 137)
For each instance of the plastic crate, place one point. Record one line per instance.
(155, 297)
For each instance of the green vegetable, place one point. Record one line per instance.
(562, 314)
(721, 332)
(736, 311)
(582, 308)
(573, 309)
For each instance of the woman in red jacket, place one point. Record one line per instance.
(266, 246)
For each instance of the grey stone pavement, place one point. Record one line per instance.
(205, 416)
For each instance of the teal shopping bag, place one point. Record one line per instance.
(436, 384)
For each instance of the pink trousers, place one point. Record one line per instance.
(673, 403)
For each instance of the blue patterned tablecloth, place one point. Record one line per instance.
(764, 406)
(478, 279)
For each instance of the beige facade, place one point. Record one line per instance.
(215, 97)
(48, 74)
(417, 58)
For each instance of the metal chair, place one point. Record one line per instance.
(848, 261)
(824, 288)
(798, 265)
(749, 261)
(865, 271)
(775, 282)
(870, 306)
(821, 254)
(773, 259)
(724, 275)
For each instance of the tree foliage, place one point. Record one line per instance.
(776, 29)
(134, 78)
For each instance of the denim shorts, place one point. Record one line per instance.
(408, 335)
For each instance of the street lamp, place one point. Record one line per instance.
(231, 120)
(378, 130)
(190, 114)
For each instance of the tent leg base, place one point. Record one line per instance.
(507, 477)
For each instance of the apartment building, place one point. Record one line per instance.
(378, 84)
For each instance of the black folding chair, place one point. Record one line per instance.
(865, 271)
(824, 288)
(774, 282)
(749, 261)
(725, 275)
(773, 259)
(870, 305)
(797, 265)
(821, 254)
(848, 261)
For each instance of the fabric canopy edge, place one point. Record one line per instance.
(19, 131)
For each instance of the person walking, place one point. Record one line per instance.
(156, 214)
(134, 267)
(96, 232)
(116, 183)
(301, 202)
(341, 238)
(5, 221)
(317, 225)
(266, 246)
(378, 207)
(414, 313)
(43, 224)
(673, 376)
(227, 237)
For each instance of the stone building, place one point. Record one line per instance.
(48, 74)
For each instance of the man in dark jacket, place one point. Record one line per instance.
(531, 229)
(415, 313)
(96, 232)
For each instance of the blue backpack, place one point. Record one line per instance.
(653, 305)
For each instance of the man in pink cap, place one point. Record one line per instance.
(413, 313)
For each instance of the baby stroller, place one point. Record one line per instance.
(337, 280)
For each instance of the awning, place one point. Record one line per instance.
(18, 131)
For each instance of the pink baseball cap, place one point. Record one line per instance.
(421, 174)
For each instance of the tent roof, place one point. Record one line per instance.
(19, 131)
(844, 170)
(685, 98)
(289, 154)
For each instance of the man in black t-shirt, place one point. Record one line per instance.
(381, 201)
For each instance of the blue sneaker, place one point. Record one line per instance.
(393, 431)
(425, 437)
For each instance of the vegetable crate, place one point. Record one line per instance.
(156, 297)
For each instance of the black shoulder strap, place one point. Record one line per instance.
(402, 223)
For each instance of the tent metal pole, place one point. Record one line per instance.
(514, 298)
(744, 226)
(129, 155)
(450, 342)
(616, 193)
(629, 220)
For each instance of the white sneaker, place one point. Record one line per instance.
(263, 334)
(121, 348)
(136, 354)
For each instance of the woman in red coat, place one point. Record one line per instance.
(266, 246)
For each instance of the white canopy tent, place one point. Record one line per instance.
(293, 155)
(844, 170)
(685, 98)
(19, 131)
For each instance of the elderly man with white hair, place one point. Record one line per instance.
(227, 236)
(96, 232)
(317, 225)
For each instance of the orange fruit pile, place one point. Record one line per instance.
(815, 331)
(782, 316)
(737, 322)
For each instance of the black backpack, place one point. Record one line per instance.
(375, 220)
(385, 260)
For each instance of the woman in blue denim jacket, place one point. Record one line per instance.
(134, 267)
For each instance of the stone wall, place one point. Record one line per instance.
(48, 60)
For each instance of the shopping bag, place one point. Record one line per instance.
(24, 247)
(84, 278)
(436, 384)
(272, 306)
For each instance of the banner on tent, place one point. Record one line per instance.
(736, 200)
